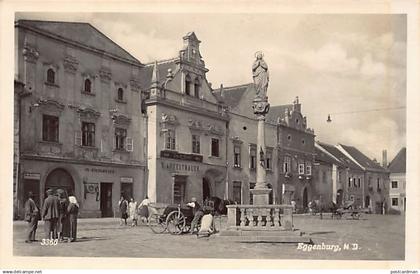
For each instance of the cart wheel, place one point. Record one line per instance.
(175, 222)
(156, 224)
(356, 216)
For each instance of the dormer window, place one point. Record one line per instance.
(120, 94)
(197, 88)
(50, 76)
(188, 85)
(88, 86)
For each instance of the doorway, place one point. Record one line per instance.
(106, 200)
(305, 198)
(60, 178)
(32, 186)
(206, 189)
(339, 199)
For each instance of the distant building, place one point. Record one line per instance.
(80, 122)
(350, 176)
(397, 169)
(375, 181)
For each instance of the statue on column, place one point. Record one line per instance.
(260, 75)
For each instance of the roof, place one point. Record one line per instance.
(81, 33)
(163, 66)
(397, 165)
(339, 155)
(321, 156)
(277, 112)
(231, 95)
(362, 159)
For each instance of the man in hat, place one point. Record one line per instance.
(50, 214)
(198, 213)
(32, 217)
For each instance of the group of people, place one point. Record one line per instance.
(130, 210)
(59, 213)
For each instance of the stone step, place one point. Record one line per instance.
(263, 236)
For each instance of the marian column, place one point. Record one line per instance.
(260, 107)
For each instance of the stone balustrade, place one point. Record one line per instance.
(260, 217)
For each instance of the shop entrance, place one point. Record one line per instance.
(60, 178)
(206, 189)
(106, 200)
(32, 186)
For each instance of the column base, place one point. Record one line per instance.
(260, 196)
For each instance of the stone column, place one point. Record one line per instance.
(261, 191)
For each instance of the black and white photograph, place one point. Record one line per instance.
(210, 135)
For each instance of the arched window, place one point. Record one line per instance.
(120, 95)
(197, 88)
(188, 85)
(51, 76)
(88, 86)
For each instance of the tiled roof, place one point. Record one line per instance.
(339, 155)
(277, 112)
(82, 33)
(321, 156)
(362, 159)
(163, 66)
(231, 95)
(397, 165)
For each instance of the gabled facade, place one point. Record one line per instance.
(81, 126)
(375, 183)
(397, 187)
(187, 129)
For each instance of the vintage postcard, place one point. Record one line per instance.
(160, 132)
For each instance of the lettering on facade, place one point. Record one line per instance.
(127, 179)
(100, 170)
(181, 156)
(32, 176)
(179, 167)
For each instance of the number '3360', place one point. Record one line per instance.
(49, 242)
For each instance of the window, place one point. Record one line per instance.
(378, 186)
(394, 184)
(394, 201)
(120, 135)
(215, 147)
(252, 157)
(286, 164)
(188, 85)
(197, 88)
(88, 86)
(301, 169)
(196, 144)
(251, 198)
(268, 159)
(120, 95)
(170, 140)
(349, 185)
(308, 169)
(324, 176)
(237, 156)
(49, 128)
(237, 192)
(50, 76)
(354, 182)
(359, 182)
(88, 134)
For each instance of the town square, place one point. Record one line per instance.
(147, 138)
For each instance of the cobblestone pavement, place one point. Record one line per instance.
(378, 237)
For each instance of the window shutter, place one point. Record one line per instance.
(129, 144)
(78, 138)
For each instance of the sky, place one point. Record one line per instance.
(351, 66)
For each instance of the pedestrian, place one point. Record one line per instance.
(144, 209)
(133, 212)
(62, 222)
(32, 216)
(50, 214)
(72, 211)
(123, 210)
(197, 212)
(293, 206)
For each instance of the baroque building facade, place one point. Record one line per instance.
(81, 127)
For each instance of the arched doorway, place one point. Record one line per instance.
(60, 178)
(339, 200)
(206, 189)
(305, 198)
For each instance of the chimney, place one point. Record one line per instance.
(384, 159)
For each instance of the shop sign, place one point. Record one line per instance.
(179, 167)
(99, 170)
(181, 156)
(127, 179)
(32, 176)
